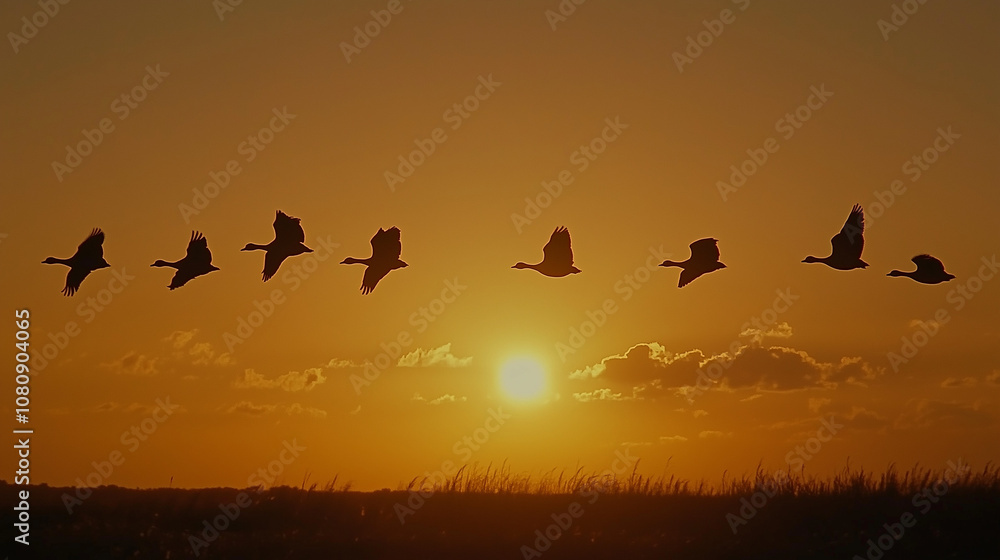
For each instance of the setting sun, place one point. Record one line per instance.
(522, 378)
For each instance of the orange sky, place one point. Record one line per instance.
(208, 83)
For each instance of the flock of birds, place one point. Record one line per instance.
(557, 261)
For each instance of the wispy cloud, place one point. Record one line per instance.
(440, 356)
(291, 381)
(252, 409)
(134, 363)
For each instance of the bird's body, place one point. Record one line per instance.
(196, 262)
(929, 271)
(557, 260)
(847, 245)
(386, 248)
(89, 257)
(289, 240)
(704, 259)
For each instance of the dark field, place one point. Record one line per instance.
(494, 515)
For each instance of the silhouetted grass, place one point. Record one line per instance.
(491, 512)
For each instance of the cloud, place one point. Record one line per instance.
(440, 356)
(337, 363)
(781, 330)
(356, 410)
(955, 383)
(620, 366)
(714, 434)
(251, 409)
(199, 353)
(926, 413)
(134, 363)
(993, 378)
(440, 400)
(744, 366)
(609, 395)
(673, 439)
(291, 381)
(860, 418)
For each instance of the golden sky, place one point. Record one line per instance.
(290, 108)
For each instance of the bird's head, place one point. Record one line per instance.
(810, 259)
(159, 263)
(50, 260)
(896, 273)
(350, 260)
(249, 247)
(521, 265)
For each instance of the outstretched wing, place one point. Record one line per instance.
(558, 251)
(74, 278)
(197, 250)
(386, 247)
(705, 250)
(928, 263)
(288, 229)
(373, 274)
(272, 260)
(92, 247)
(851, 240)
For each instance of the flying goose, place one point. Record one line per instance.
(196, 262)
(847, 245)
(929, 271)
(386, 249)
(89, 257)
(557, 260)
(288, 242)
(704, 259)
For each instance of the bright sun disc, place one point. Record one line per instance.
(522, 378)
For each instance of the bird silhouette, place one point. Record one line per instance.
(89, 257)
(847, 245)
(929, 271)
(196, 262)
(704, 259)
(386, 248)
(288, 241)
(557, 259)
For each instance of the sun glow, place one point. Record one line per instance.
(522, 378)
